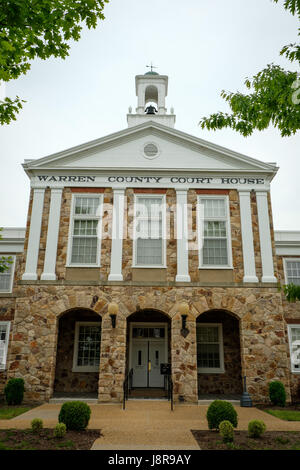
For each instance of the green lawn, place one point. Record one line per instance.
(285, 414)
(8, 412)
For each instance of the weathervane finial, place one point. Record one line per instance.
(151, 67)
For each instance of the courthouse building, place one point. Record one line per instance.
(149, 246)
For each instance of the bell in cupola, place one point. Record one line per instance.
(151, 110)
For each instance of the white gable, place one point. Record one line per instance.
(125, 150)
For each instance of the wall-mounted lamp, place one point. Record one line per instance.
(113, 309)
(184, 311)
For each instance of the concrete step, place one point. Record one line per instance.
(91, 401)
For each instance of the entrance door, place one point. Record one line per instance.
(156, 357)
(147, 354)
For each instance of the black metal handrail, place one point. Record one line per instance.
(127, 386)
(170, 392)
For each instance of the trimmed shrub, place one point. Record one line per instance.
(226, 431)
(36, 425)
(277, 393)
(256, 428)
(219, 411)
(60, 430)
(14, 391)
(75, 415)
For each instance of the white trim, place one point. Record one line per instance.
(75, 367)
(164, 230)
(290, 326)
(7, 323)
(228, 231)
(117, 236)
(85, 217)
(213, 370)
(33, 247)
(182, 237)
(285, 267)
(12, 273)
(52, 236)
(247, 237)
(265, 237)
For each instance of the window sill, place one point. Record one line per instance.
(211, 371)
(83, 266)
(149, 266)
(216, 267)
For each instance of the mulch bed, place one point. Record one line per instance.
(270, 440)
(19, 439)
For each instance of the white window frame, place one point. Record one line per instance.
(73, 217)
(212, 370)
(285, 260)
(164, 231)
(7, 324)
(290, 326)
(12, 274)
(228, 230)
(76, 367)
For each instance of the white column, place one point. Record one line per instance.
(52, 236)
(34, 235)
(117, 236)
(265, 237)
(182, 236)
(247, 237)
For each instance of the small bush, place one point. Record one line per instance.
(219, 411)
(36, 425)
(226, 431)
(14, 391)
(75, 415)
(60, 430)
(277, 393)
(256, 428)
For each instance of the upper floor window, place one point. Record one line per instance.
(7, 276)
(292, 271)
(4, 336)
(149, 239)
(294, 341)
(85, 231)
(214, 232)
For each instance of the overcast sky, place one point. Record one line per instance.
(204, 46)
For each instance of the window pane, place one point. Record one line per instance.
(208, 356)
(295, 347)
(214, 229)
(149, 251)
(293, 272)
(215, 252)
(214, 207)
(3, 339)
(89, 345)
(84, 250)
(87, 205)
(5, 278)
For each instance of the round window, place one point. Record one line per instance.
(151, 150)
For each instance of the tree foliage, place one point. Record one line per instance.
(32, 29)
(273, 98)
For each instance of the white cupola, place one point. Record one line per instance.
(151, 91)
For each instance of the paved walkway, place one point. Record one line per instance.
(147, 424)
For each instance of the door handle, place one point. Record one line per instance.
(149, 366)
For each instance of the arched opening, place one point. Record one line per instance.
(151, 99)
(219, 355)
(148, 346)
(78, 354)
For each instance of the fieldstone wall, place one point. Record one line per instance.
(38, 308)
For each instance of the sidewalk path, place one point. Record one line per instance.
(147, 424)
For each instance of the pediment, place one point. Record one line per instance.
(125, 150)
